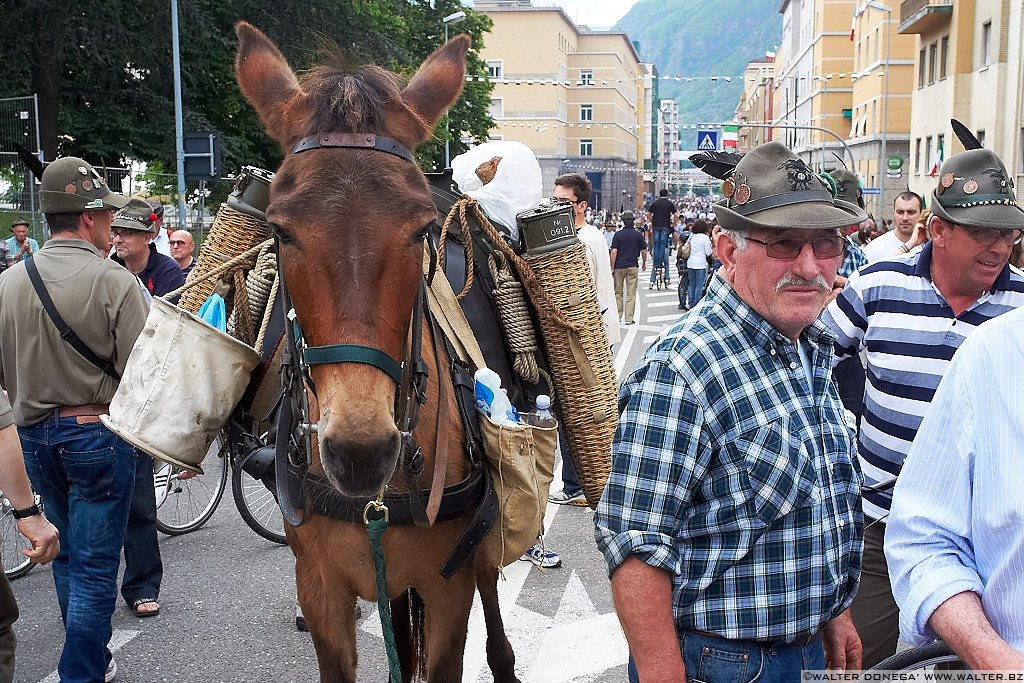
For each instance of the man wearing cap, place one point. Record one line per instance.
(910, 314)
(628, 247)
(731, 521)
(19, 246)
(662, 215)
(160, 236)
(132, 235)
(84, 473)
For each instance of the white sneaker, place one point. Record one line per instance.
(542, 558)
(111, 671)
(162, 483)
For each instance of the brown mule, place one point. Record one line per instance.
(339, 213)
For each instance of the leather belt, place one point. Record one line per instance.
(94, 410)
(801, 642)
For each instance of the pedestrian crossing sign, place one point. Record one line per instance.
(707, 140)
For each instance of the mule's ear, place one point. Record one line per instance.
(269, 84)
(437, 84)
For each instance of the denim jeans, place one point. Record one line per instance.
(570, 480)
(684, 283)
(659, 254)
(85, 475)
(716, 660)
(143, 569)
(696, 286)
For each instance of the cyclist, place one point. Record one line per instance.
(662, 215)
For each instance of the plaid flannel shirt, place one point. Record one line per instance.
(736, 477)
(853, 259)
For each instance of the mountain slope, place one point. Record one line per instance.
(698, 38)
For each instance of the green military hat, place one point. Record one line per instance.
(628, 218)
(847, 187)
(772, 188)
(137, 215)
(72, 185)
(974, 189)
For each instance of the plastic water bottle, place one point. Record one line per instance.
(492, 400)
(542, 415)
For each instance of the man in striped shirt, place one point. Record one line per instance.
(911, 313)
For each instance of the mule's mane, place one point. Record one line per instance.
(344, 99)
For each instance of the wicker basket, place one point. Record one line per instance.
(240, 225)
(581, 364)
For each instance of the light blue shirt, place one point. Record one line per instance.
(957, 521)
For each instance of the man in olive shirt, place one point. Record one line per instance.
(84, 473)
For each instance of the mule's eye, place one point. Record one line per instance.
(280, 233)
(422, 233)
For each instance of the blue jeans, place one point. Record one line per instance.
(143, 569)
(659, 254)
(85, 475)
(716, 660)
(696, 286)
(570, 480)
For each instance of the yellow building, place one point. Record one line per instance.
(810, 110)
(755, 106)
(883, 79)
(574, 96)
(969, 67)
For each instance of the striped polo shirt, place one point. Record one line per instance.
(893, 310)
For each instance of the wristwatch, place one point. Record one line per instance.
(30, 511)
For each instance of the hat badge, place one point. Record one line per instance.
(799, 175)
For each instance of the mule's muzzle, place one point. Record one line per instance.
(359, 467)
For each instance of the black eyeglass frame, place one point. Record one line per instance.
(789, 255)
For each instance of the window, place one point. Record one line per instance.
(586, 77)
(1021, 155)
(944, 57)
(878, 41)
(981, 137)
(927, 155)
(495, 69)
(917, 155)
(586, 148)
(920, 68)
(940, 151)
(933, 53)
(986, 40)
(497, 108)
(586, 112)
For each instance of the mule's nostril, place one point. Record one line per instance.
(359, 467)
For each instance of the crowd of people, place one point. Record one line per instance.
(807, 466)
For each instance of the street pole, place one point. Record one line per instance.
(793, 126)
(179, 128)
(883, 169)
(450, 19)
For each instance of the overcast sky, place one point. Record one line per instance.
(594, 13)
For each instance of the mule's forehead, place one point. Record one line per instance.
(356, 182)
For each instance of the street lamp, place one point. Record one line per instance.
(453, 18)
(883, 171)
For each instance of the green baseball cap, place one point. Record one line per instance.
(72, 185)
(137, 215)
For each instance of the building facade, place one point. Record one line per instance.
(754, 111)
(574, 97)
(968, 67)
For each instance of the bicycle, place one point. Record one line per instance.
(15, 563)
(659, 277)
(191, 499)
(937, 656)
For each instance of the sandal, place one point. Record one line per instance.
(143, 614)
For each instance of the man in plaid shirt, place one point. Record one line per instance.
(731, 522)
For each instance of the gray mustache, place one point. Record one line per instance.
(818, 282)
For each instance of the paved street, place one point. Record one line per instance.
(228, 599)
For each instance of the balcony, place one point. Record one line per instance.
(922, 16)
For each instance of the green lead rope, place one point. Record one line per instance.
(375, 528)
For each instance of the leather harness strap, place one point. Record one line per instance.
(357, 140)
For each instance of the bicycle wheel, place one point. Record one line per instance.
(257, 506)
(15, 564)
(938, 654)
(192, 498)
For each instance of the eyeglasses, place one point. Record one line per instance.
(986, 237)
(790, 247)
(176, 243)
(125, 232)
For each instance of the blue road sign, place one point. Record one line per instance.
(707, 140)
(871, 190)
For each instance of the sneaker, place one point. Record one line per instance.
(565, 498)
(541, 558)
(111, 671)
(162, 483)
